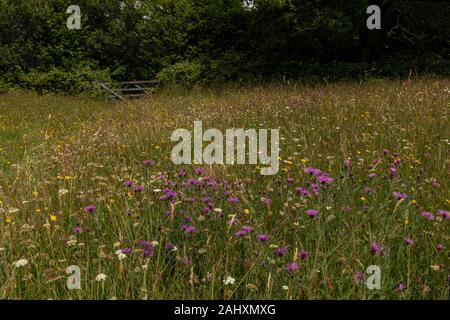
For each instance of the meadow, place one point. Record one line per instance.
(363, 180)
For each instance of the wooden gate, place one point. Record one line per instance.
(126, 89)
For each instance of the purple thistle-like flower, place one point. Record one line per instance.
(399, 195)
(169, 195)
(444, 214)
(385, 152)
(324, 179)
(169, 246)
(440, 247)
(77, 229)
(367, 189)
(427, 215)
(313, 171)
(233, 200)
(372, 175)
(181, 173)
(126, 250)
(409, 241)
(290, 181)
(392, 171)
(347, 164)
(267, 201)
(148, 162)
(280, 251)
(90, 208)
(302, 191)
(199, 171)
(247, 229)
(128, 183)
(374, 248)
(138, 189)
(400, 287)
(240, 233)
(358, 277)
(189, 229)
(292, 266)
(262, 237)
(312, 213)
(303, 254)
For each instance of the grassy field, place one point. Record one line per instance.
(76, 188)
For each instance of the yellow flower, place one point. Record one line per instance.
(53, 218)
(304, 160)
(35, 193)
(413, 201)
(246, 211)
(363, 199)
(8, 220)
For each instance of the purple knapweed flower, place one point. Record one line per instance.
(324, 179)
(90, 208)
(169, 246)
(400, 287)
(312, 213)
(126, 250)
(313, 171)
(148, 162)
(302, 191)
(280, 251)
(399, 195)
(262, 237)
(444, 214)
(372, 175)
(77, 229)
(267, 201)
(233, 200)
(374, 248)
(303, 254)
(292, 266)
(290, 181)
(138, 189)
(427, 215)
(128, 183)
(409, 241)
(440, 247)
(347, 164)
(392, 171)
(247, 229)
(358, 277)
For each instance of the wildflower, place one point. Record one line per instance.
(302, 191)
(285, 287)
(400, 287)
(427, 215)
(312, 213)
(53, 218)
(399, 195)
(444, 214)
(233, 200)
(313, 171)
(303, 254)
(267, 201)
(126, 250)
(440, 247)
(100, 277)
(347, 164)
(372, 175)
(358, 277)
(62, 192)
(262, 237)
(292, 266)
(128, 183)
(13, 210)
(188, 229)
(324, 179)
(392, 171)
(148, 162)
(77, 229)
(374, 248)
(290, 181)
(409, 241)
(229, 280)
(169, 246)
(246, 211)
(90, 208)
(21, 263)
(280, 251)
(138, 189)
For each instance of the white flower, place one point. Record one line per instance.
(285, 287)
(21, 263)
(100, 277)
(154, 243)
(121, 256)
(156, 190)
(62, 192)
(229, 280)
(13, 210)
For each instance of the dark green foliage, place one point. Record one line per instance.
(185, 42)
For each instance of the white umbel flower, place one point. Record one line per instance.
(21, 263)
(229, 280)
(100, 277)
